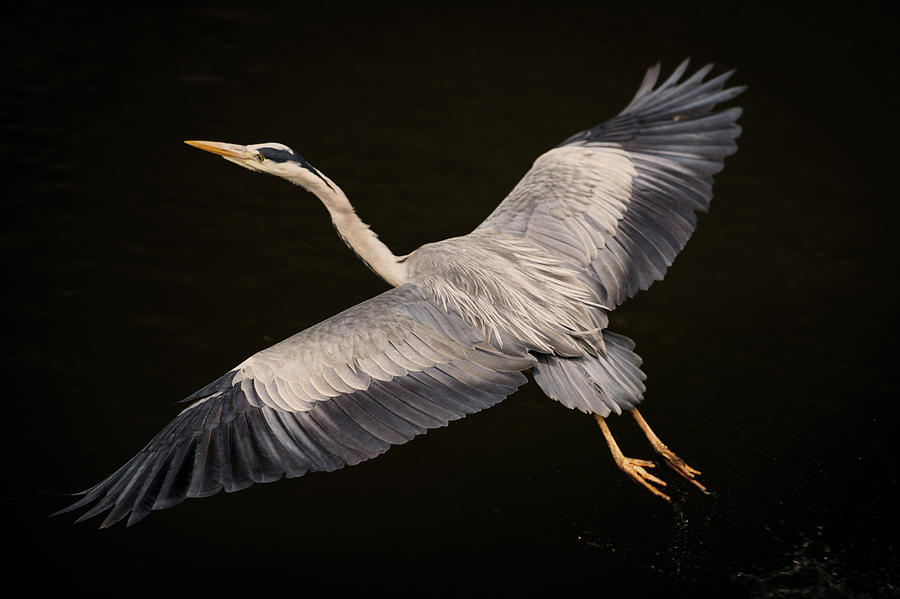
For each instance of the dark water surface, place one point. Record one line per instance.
(137, 269)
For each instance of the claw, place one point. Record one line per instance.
(679, 466)
(634, 468)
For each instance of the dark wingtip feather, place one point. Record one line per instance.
(647, 84)
(69, 508)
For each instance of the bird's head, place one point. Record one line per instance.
(271, 158)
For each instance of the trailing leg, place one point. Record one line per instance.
(675, 462)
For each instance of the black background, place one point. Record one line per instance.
(136, 269)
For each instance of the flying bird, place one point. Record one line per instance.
(596, 219)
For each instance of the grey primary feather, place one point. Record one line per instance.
(595, 219)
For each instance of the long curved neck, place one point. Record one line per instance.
(357, 234)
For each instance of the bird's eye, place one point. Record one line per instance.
(259, 157)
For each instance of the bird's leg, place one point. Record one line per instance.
(631, 466)
(676, 463)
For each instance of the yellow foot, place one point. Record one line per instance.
(634, 468)
(631, 466)
(678, 465)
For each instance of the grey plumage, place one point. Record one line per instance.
(596, 219)
(595, 384)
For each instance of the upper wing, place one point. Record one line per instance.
(338, 393)
(618, 201)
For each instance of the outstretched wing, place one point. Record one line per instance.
(619, 201)
(338, 393)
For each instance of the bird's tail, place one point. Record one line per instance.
(601, 384)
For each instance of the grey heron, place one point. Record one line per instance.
(595, 220)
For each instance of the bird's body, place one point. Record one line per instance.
(595, 220)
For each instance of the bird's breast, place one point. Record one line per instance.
(510, 288)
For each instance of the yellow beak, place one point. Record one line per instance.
(222, 149)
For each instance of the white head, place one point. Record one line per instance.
(271, 158)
